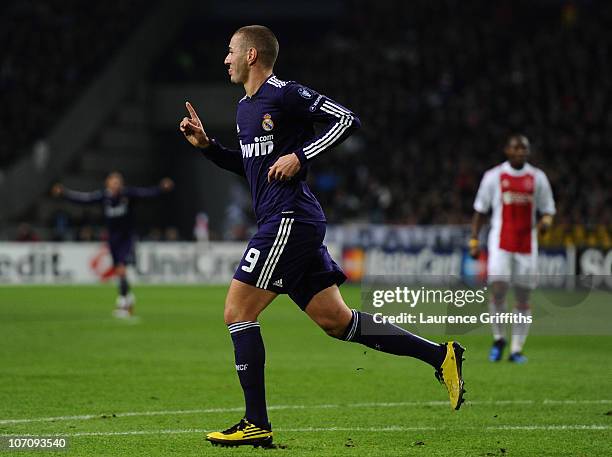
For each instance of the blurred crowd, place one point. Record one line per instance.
(439, 89)
(85, 232)
(439, 86)
(50, 51)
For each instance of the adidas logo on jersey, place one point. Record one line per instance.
(278, 283)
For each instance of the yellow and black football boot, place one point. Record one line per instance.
(450, 375)
(242, 434)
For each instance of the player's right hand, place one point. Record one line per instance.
(57, 190)
(474, 248)
(166, 184)
(193, 130)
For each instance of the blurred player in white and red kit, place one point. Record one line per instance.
(517, 193)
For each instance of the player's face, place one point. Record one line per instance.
(236, 60)
(517, 151)
(114, 183)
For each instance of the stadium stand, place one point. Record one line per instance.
(438, 89)
(48, 57)
(438, 86)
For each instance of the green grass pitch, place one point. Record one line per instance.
(153, 387)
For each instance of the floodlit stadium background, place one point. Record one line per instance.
(438, 86)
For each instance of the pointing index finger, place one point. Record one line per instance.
(192, 112)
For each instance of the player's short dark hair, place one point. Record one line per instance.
(263, 39)
(115, 173)
(516, 136)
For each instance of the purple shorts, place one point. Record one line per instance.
(289, 257)
(122, 249)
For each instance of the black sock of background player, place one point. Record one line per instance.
(124, 286)
(250, 357)
(393, 339)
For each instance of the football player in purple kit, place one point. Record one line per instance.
(275, 121)
(116, 200)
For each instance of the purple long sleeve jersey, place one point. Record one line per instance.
(278, 120)
(117, 208)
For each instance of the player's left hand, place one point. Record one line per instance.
(285, 168)
(166, 184)
(544, 224)
(474, 248)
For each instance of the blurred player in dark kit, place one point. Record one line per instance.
(117, 200)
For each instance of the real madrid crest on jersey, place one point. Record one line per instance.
(267, 124)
